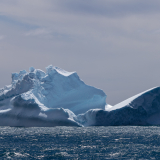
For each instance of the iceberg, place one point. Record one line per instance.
(36, 98)
(60, 98)
(141, 109)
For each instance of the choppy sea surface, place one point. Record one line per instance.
(127, 142)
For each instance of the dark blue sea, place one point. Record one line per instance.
(127, 142)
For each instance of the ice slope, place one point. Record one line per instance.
(135, 101)
(34, 98)
(141, 109)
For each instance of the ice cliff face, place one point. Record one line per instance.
(141, 109)
(38, 96)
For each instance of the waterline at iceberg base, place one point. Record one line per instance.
(61, 98)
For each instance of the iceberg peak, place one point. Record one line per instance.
(50, 70)
(31, 69)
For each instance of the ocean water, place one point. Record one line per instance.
(125, 142)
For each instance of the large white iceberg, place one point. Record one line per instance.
(61, 98)
(34, 98)
(141, 109)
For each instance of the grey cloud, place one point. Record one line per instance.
(37, 32)
(1, 37)
(112, 8)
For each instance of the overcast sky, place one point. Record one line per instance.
(112, 44)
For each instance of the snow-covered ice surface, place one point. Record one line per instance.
(141, 109)
(47, 99)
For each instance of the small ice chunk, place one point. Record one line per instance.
(42, 115)
(40, 74)
(22, 72)
(14, 76)
(18, 76)
(31, 69)
(49, 69)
